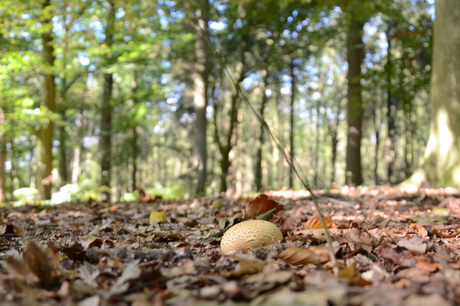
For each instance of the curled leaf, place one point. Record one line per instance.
(300, 256)
(260, 205)
(315, 222)
(246, 265)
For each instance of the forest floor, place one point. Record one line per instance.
(393, 247)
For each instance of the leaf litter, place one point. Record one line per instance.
(168, 252)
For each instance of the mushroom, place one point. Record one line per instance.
(249, 234)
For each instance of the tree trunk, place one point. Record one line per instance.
(260, 142)
(441, 167)
(230, 141)
(63, 152)
(3, 141)
(391, 112)
(292, 123)
(355, 55)
(200, 94)
(134, 159)
(45, 134)
(134, 136)
(377, 143)
(106, 120)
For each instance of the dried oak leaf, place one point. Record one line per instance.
(261, 204)
(315, 222)
(39, 262)
(246, 265)
(15, 229)
(298, 256)
(75, 251)
(287, 224)
(427, 263)
(421, 230)
(399, 256)
(351, 274)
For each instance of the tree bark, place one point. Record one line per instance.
(135, 135)
(355, 55)
(3, 141)
(441, 167)
(292, 123)
(107, 108)
(200, 95)
(391, 111)
(45, 133)
(260, 142)
(134, 158)
(64, 174)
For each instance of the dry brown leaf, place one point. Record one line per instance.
(421, 230)
(260, 205)
(351, 274)
(18, 271)
(415, 244)
(403, 258)
(39, 263)
(300, 256)
(315, 222)
(427, 263)
(15, 229)
(246, 265)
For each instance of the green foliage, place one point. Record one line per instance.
(25, 196)
(67, 193)
(153, 60)
(176, 191)
(130, 196)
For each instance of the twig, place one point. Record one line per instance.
(286, 155)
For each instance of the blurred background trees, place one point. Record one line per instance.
(100, 98)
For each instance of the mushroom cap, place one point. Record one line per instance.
(249, 234)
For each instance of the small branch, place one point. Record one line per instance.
(292, 162)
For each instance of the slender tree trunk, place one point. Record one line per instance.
(134, 136)
(291, 122)
(45, 134)
(355, 55)
(200, 95)
(134, 158)
(77, 151)
(260, 142)
(230, 136)
(3, 141)
(230, 141)
(63, 152)
(377, 145)
(107, 108)
(390, 111)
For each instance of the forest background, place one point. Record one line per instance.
(101, 98)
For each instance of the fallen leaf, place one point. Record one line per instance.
(351, 274)
(246, 265)
(414, 244)
(88, 274)
(39, 263)
(260, 205)
(15, 229)
(427, 263)
(18, 271)
(158, 217)
(400, 257)
(421, 230)
(300, 256)
(315, 222)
